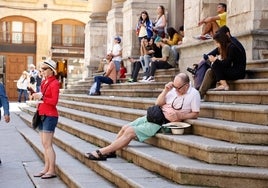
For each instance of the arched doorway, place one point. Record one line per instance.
(17, 50)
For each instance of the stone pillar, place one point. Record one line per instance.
(114, 23)
(176, 13)
(131, 13)
(96, 35)
(250, 24)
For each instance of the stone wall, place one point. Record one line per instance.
(247, 21)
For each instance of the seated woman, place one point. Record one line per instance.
(146, 53)
(109, 77)
(173, 40)
(231, 65)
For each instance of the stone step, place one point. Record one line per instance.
(168, 164)
(126, 85)
(247, 97)
(205, 149)
(127, 102)
(70, 170)
(249, 84)
(136, 89)
(161, 75)
(235, 112)
(73, 164)
(235, 132)
(226, 111)
(257, 63)
(208, 109)
(238, 132)
(257, 73)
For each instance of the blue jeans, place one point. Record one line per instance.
(102, 79)
(145, 60)
(23, 92)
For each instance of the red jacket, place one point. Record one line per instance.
(50, 88)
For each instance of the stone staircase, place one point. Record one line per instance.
(225, 147)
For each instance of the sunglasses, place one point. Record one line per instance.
(45, 68)
(178, 88)
(177, 103)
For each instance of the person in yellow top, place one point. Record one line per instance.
(213, 23)
(174, 39)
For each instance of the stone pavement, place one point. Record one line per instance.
(19, 161)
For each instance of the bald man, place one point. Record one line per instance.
(178, 101)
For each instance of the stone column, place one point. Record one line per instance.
(131, 13)
(114, 23)
(250, 24)
(176, 13)
(96, 35)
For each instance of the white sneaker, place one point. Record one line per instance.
(143, 79)
(205, 37)
(150, 79)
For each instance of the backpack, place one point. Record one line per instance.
(200, 71)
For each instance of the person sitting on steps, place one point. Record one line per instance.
(109, 77)
(167, 60)
(213, 23)
(178, 100)
(209, 79)
(231, 65)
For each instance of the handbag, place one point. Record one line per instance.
(36, 117)
(155, 115)
(36, 120)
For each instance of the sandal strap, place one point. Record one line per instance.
(99, 154)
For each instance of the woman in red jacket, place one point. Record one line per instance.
(48, 97)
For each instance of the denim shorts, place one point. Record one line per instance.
(117, 65)
(48, 124)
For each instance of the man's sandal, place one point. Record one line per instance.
(111, 155)
(100, 157)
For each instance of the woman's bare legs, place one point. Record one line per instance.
(49, 153)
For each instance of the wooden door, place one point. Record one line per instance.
(15, 65)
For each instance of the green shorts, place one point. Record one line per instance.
(144, 129)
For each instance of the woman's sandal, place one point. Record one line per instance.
(221, 88)
(38, 175)
(100, 157)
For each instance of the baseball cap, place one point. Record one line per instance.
(118, 39)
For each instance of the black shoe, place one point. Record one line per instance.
(96, 93)
(111, 155)
(100, 157)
